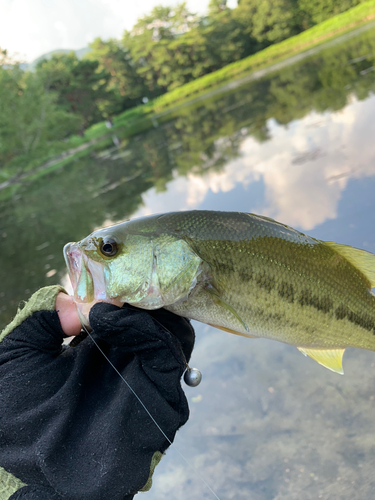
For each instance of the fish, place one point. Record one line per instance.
(243, 273)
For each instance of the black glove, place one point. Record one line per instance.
(70, 428)
(161, 341)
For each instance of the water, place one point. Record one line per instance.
(296, 145)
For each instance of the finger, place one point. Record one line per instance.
(67, 311)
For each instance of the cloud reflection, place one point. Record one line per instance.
(305, 167)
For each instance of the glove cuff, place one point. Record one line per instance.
(9, 484)
(157, 456)
(42, 300)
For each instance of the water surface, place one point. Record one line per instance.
(297, 145)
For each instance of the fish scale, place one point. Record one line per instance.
(243, 273)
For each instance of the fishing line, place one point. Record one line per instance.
(149, 414)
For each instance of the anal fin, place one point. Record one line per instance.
(330, 358)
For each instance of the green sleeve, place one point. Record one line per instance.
(157, 456)
(8, 484)
(42, 300)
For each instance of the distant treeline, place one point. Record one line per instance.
(164, 50)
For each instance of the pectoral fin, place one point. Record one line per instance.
(220, 302)
(247, 335)
(330, 358)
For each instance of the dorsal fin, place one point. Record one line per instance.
(362, 260)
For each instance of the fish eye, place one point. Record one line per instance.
(108, 247)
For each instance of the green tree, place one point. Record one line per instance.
(82, 89)
(126, 84)
(215, 7)
(29, 116)
(224, 37)
(269, 21)
(6, 58)
(148, 43)
(173, 47)
(319, 10)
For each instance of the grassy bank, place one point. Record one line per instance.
(141, 118)
(331, 28)
(321, 33)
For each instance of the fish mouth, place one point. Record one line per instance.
(87, 278)
(73, 261)
(79, 273)
(86, 275)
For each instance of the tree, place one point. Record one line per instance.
(126, 84)
(216, 7)
(5, 58)
(319, 10)
(81, 87)
(269, 21)
(172, 47)
(29, 116)
(225, 38)
(148, 43)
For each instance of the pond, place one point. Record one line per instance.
(296, 145)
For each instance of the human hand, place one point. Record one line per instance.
(67, 311)
(113, 446)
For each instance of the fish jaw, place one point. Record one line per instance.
(88, 280)
(73, 261)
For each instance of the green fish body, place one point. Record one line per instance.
(239, 272)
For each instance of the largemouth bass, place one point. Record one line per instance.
(239, 272)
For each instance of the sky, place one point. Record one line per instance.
(30, 28)
(307, 164)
